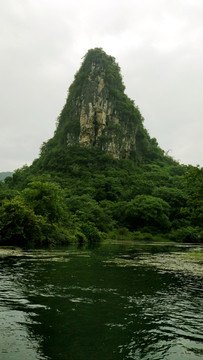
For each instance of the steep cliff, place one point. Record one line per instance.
(98, 113)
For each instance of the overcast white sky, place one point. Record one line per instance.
(157, 43)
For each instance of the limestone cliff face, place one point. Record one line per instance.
(97, 112)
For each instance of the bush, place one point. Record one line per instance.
(91, 232)
(147, 211)
(18, 224)
(187, 234)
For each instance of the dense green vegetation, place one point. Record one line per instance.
(81, 194)
(88, 195)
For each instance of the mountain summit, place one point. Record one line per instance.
(98, 113)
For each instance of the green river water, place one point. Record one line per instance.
(111, 302)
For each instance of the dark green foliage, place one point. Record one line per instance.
(106, 188)
(194, 183)
(45, 199)
(91, 232)
(86, 186)
(187, 234)
(175, 197)
(147, 211)
(87, 209)
(38, 215)
(6, 192)
(18, 224)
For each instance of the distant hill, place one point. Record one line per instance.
(3, 175)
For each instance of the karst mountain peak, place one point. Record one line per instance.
(100, 176)
(98, 113)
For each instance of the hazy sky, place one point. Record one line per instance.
(157, 43)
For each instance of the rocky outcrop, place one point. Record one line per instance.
(97, 112)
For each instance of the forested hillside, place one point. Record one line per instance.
(101, 175)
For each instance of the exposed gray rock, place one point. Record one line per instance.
(97, 112)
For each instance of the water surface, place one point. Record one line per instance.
(79, 304)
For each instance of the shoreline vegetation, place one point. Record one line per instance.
(62, 208)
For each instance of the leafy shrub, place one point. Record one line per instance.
(187, 234)
(91, 232)
(146, 210)
(18, 224)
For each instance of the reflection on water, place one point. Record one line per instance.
(78, 304)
